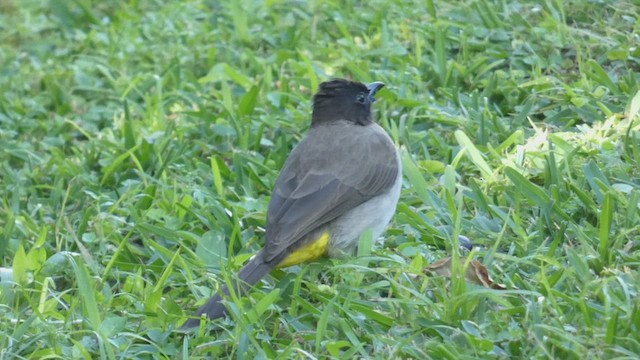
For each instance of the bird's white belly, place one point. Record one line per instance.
(373, 215)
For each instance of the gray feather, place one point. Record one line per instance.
(337, 167)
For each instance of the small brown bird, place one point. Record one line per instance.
(341, 180)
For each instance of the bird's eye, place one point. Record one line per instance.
(361, 98)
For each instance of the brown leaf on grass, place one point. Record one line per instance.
(441, 267)
(475, 272)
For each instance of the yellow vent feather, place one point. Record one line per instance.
(311, 251)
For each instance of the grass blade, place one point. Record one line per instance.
(474, 154)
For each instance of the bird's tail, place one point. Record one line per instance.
(248, 276)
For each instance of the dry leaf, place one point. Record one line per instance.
(441, 267)
(475, 273)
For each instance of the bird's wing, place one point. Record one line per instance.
(334, 169)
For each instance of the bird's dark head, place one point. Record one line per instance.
(341, 99)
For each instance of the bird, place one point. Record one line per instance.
(341, 180)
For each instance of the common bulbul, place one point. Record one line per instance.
(341, 180)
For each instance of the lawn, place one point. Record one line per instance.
(140, 140)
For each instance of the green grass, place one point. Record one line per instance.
(139, 141)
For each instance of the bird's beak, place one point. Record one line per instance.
(374, 87)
